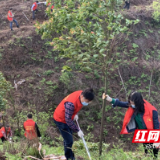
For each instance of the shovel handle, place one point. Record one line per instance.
(85, 145)
(78, 124)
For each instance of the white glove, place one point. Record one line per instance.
(75, 118)
(108, 98)
(10, 140)
(80, 134)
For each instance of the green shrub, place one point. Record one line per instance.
(32, 151)
(156, 13)
(65, 78)
(49, 72)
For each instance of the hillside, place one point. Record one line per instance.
(24, 55)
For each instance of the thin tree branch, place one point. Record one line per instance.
(122, 82)
(150, 85)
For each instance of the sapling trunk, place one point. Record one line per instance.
(102, 119)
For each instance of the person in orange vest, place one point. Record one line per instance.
(31, 128)
(66, 112)
(140, 115)
(6, 133)
(11, 19)
(50, 5)
(34, 8)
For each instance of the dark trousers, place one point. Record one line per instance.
(14, 22)
(148, 148)
(66, 133)
(33, 16)
(3, 139)
(127, 5)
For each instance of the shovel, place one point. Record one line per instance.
(25, 16)
(84, 142)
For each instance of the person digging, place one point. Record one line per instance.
(6, 133)
(65, 114)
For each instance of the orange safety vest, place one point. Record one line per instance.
(2, 130)
(8, 17)
(147, 117)
(59, 113)
(8, 132)
(49, 5)
(30, 132)
(35, 6)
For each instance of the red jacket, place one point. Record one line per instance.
(30, 131)
(147, 117)
(59, 113)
